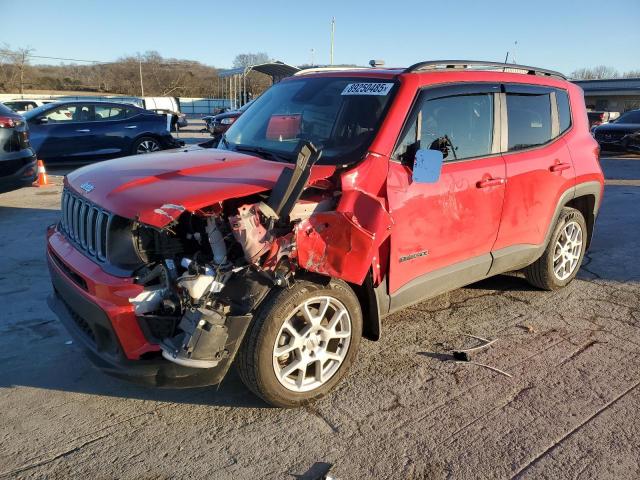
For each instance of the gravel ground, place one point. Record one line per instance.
(405, 411)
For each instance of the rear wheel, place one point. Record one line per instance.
(301, 343)
(560, 262)
(145, 145)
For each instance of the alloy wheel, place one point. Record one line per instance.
(567, 251)
(312, 344)
(147, 146)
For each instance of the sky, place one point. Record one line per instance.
(561, 35)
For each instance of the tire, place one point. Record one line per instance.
(145, 145)
(257, 360)
(551, 273)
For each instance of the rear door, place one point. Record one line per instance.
(114, 128)
(452, 224)
(538, 163)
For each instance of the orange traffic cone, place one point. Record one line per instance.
(43, 180)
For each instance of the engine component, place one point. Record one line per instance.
(201, 344)
(148, 300)
(216, 240)
(200, 279)
(250, 233)
(291, 182)
(305, 207)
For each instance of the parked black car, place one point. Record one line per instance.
(17, 158)
(623, 134)
(67, 131)
(218, 124)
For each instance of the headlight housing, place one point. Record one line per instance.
(227, 121)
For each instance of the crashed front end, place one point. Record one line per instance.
(166, 298)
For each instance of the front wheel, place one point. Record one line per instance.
(145, 145)
(301, 343)
(561, 260)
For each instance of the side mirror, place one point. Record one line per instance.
(427, 166)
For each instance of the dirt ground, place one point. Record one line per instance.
(406, 410)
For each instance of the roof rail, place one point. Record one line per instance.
(304, 71)
(480, 65)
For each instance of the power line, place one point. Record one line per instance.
(9, 52)
(99, 62)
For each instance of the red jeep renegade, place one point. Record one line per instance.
(338, 198)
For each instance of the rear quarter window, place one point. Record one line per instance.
(564, 110)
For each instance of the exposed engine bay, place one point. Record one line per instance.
(219, 263)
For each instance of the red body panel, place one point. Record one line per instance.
(443, 223)
(110, 293)
(138, 187)
(532, 193)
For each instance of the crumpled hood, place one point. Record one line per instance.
(157, 188)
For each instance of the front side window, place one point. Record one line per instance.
(529, 120)
(338, 115)
(70, 113)
(460, 126)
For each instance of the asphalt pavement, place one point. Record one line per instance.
(407, 410)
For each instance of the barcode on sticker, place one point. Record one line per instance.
(367, 89)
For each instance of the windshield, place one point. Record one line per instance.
(629, 117)
(340, 116)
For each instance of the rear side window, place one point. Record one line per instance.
(529, 120)
(564, 112)
(460, 126)
(107, 112)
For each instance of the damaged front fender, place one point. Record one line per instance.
(343, 244)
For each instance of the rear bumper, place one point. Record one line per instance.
(95, 310)
(22, 177)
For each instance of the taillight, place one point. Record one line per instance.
(9, 122)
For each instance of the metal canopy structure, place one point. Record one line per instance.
(235, 79)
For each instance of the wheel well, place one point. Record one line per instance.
(586, 205)
(369, 305)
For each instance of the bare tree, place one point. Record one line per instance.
(631, 74)
(248, 59)
(595, 73)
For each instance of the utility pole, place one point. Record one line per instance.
(141, 84)
(333, 31)
(313, 57)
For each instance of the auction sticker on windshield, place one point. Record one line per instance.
(367, 89)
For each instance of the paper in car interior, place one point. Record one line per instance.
(376, 88)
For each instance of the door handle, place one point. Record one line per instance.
(558, 167)
(131, 126)
(491, 182)
(83, 130)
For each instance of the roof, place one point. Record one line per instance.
(273, 69)
(615, 86)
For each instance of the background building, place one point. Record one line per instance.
(614, 95)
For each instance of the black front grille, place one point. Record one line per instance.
(86, 225)
(82, 324)
(610, 136)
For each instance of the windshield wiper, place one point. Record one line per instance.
(266, 154)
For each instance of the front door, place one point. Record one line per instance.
(446, 230)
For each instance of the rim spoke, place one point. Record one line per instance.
(291, 331)
(300, 379)
(284, 349)
(292, 367)
(319, 371)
